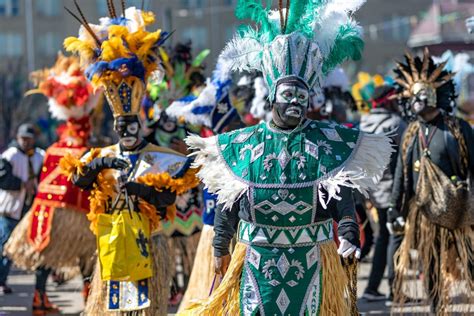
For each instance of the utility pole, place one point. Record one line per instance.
(30, 39)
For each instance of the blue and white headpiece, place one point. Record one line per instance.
(212, 108)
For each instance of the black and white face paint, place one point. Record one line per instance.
(290, 105)
(128, 129)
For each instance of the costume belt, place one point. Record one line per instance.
(274, 236)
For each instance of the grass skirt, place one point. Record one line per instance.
(159, 289)
(72, 245)
(446, 257)
(225, 299)
(184, 248)
(202, 275)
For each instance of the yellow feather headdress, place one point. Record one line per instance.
(119, 54)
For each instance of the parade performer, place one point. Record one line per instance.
(133, 183)
(183, 80)
(288, 178)
(214, 109)
(55, 232)
(431, 201)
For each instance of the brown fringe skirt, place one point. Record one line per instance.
(159, 290)
(72, 245)
(446, 257)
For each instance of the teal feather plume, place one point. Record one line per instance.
(348, 45)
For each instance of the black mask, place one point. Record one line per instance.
(128, 130)
(291, 104)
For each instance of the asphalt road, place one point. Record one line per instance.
(68, 296)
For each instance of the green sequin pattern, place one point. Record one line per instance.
(266, 157)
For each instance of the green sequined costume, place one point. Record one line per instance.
(289, 178)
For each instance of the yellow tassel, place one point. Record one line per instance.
(148, 17)
(225, 299)
(334, 287)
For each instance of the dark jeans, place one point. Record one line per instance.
(380, 254)
(394, 243)
(7, 225)
(41, 279)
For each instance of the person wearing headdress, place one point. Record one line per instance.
(55, 233)
(133, 184)
(279, 184)
(214, 109)
(180, 82)
(431, 202)
(335, 101)
(252, 95)
(383, 117)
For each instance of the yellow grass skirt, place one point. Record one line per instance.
(225, 299)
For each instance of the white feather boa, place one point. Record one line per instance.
(214, 173)
(362, 172)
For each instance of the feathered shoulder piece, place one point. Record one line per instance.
(70, 95)
(119, 54)
(304, 39)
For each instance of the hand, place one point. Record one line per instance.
(114, 163)
(397, 226)
(30, 186)
(346, 249)
(180, 146)
(222, 264)
(132, 188)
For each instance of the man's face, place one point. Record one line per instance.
(128, 130)
(26, 143)
(291, 104)
(424, 99)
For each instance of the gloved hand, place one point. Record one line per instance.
(149, 194)
(114, 163)
(395, 221)
(349, 240)
(346, 249)
(108, 163)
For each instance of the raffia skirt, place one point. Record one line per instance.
(445, 256)
(71, 250)
(225, 300)
(202, 275)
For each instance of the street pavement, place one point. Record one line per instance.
(68, 296)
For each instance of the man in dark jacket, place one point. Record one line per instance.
(383, 118)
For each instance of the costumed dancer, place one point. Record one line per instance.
(282, 182)
(431, 200)
(214, 109)
(182, 82)
(133, 183)
(55, 232)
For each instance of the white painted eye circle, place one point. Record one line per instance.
(132, 128)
